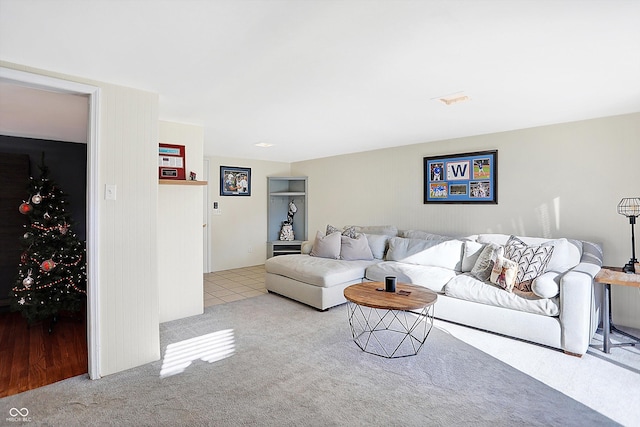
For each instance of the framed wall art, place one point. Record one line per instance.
(462, 178)
(235, 181)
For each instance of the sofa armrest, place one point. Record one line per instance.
(577, 301)
(306, 247)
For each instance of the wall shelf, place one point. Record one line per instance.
(282, 190)
(180, 182)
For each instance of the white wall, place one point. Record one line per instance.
(180, 230)
(554, 181)
(128, 142)
(239, 234)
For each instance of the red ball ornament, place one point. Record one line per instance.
(25, 208)
(47, 265)
(24, 257)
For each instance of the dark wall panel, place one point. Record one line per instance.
(67, 164)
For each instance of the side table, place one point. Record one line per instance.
(614, 276)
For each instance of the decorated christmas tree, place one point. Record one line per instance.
(52, 269)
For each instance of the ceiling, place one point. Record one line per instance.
(318, 78)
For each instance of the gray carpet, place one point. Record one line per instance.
(295, 366)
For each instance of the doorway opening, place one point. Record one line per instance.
(46, 83)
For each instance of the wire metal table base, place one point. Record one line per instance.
(389, 333)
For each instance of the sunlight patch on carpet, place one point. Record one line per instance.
(209, 348)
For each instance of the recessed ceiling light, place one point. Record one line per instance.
(455, 98)
(263, 144)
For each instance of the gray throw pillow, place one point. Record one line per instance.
(377, 244)
(355, 249)
(483, 266)
(326, 246)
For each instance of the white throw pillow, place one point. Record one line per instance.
(472, 251)
(355, 249)
(547, 285)
(326, 246)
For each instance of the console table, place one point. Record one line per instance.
(614, 276)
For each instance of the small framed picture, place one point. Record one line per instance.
(235, 181)
(462, 178)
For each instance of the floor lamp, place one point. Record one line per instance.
(630, 207)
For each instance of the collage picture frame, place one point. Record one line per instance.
(462, 178)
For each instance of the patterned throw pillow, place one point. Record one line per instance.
(482, 268)
(331, 229)
(348, 231)
(532, 261)
(504, 273)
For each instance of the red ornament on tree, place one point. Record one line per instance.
(25, 208)
(47, 265)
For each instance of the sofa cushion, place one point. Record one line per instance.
(485, 262)
(355, 249)
(388, 230)
(326, 246)
(435, 253)
(419, 234)
(433, 278)
(532, 261)
(377, 244)
(316, 271)
(467, 287)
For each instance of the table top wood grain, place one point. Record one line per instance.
(366, 294)
(615, 276)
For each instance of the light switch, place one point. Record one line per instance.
(110, 192)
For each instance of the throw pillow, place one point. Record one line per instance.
(547, 285)
(347, 231)
(355, 249)
(377, 244)
(532, 261)
(482, 268)
(472, 251)
(504, 273)
(331, 229)
(326, 246)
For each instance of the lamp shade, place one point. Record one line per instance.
(629, 207)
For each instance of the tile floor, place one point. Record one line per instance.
(232, 285)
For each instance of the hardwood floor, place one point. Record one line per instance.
(31, 357)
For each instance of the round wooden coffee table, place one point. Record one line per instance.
(390, 324)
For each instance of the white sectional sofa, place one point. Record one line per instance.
(560, 310)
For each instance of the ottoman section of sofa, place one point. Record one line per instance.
(318, 282)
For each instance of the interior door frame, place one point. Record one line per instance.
(38, 81)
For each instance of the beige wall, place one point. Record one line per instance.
(554, 181)
(239, 233)
(180, 231)
(127, 157)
